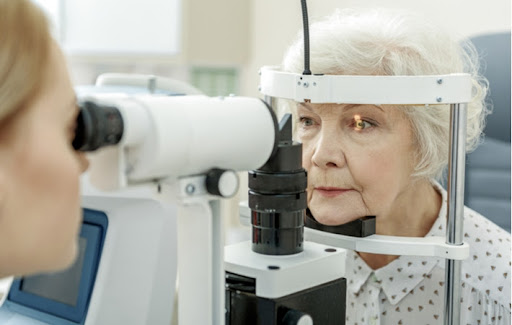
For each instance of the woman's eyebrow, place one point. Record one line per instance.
(351, 106)
(345, 108)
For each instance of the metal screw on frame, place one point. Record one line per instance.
(190, 189)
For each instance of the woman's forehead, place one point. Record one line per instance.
(341, 108)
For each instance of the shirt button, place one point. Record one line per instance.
(373, 321)
(374, 280)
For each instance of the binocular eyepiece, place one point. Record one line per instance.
(97, 126)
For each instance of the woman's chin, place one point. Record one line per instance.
(332, 218)
(338, 210)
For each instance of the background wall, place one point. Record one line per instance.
(214, 42)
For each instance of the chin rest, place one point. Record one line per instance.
(362, 227)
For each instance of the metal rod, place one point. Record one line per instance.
(454, 231)
(218, 272)
(195, 265)
(268, 100)
(201, 262)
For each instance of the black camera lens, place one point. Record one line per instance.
(97, 126)
(278, 199)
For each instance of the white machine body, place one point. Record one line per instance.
(151, 83)
(377, 90)
(279, 276)
(136, 278)
(171, 136)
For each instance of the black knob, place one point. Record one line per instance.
(222, 182)
(295, 317)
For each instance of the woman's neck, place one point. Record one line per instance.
(413, 215)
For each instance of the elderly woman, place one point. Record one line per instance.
(386, 160)
(40, 212)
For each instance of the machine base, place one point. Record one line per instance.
(324, 304)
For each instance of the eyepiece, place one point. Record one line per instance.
(97, 126)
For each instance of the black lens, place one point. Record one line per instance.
(278, 199)
(97, 126)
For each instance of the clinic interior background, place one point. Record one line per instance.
(219, 45)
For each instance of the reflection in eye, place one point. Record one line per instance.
(361, 124)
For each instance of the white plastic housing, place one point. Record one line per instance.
(135, 283)
(346, 89)
(150, 82)
(172, 136)
(316, 265)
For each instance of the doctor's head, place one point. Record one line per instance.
(39, 170)
(375, 159)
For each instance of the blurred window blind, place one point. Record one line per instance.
(116, 27)
(215, 81)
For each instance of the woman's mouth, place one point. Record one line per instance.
(330, 191)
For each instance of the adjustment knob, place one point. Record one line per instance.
(295, 317)
(222, 182)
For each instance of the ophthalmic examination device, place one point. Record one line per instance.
(184, 150)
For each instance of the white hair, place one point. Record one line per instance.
(390, 42)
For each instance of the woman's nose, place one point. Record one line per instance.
(328, 152)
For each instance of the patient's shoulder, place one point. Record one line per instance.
(487, 268)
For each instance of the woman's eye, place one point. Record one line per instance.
(360, 124)
(305, 121)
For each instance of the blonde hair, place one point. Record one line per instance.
(390, 42)
(25, 42)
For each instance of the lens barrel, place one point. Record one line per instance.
(97, 126)
(278, 200)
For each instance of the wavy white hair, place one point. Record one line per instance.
(390, 42)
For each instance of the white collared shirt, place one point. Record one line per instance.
(410, 290)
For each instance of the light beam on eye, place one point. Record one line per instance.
(359, 122)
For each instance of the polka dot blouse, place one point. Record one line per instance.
(410, 290)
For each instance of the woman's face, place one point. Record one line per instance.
(359, 160)
(40, 212)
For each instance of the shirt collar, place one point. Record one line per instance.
(403, 275)
(358, 272)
